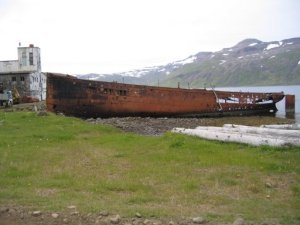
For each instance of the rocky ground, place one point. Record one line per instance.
(23, 216)
(158, 126)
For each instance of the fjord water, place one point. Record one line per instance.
(290, 90)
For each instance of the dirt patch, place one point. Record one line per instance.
(158, 126)
(20, 216)
(36, 106)
(45, 192)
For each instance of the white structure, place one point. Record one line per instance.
(24, 74)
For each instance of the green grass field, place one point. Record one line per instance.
(52, 162)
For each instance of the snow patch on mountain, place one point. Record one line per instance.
(222, 62)
(95, 78)
(252, 44)
(270, 46)
(134, 73)
(141, 72)
(190, 59)
(92, 76)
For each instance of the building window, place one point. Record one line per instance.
(30, 58)
(13, 79)
(24, 61)
(22, 78)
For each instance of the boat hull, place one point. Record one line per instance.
(85, 98)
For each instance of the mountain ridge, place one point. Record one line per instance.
(250, 62)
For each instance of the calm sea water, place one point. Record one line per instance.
(292, 90)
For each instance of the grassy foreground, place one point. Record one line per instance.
(52, 162)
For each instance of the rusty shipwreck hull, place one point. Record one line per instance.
(86, 98)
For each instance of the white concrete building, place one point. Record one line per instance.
(25, 73)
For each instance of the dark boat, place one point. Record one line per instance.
(85, 98)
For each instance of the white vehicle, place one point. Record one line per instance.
(6, 98)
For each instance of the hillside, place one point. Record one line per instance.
(250, 62)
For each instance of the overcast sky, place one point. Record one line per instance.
(104, 36)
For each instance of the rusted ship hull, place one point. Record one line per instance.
(85, 98)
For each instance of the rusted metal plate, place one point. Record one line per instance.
(290, 103)
(290, 106)
(85, 98)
